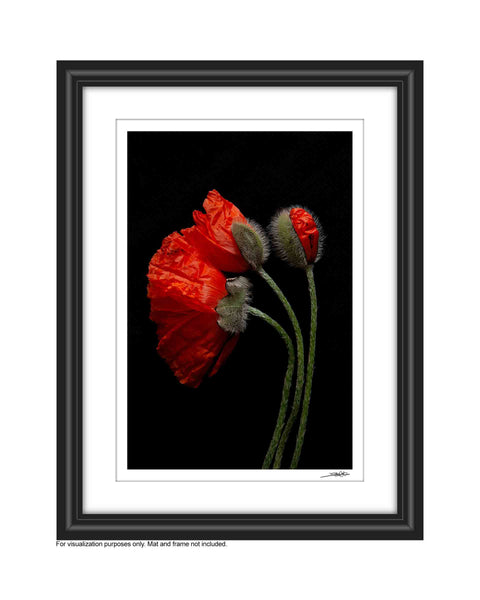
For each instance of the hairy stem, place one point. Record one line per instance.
(300, 367)
(287, 383)
(310, 367)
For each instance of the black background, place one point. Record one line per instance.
(228, 421)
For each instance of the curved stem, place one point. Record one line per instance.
(300, 367)
(310, 367)
(287, 383)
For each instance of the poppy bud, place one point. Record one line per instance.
(252, 242)
(297, 236)
(233, 309)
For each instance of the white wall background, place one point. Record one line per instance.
(444, 34)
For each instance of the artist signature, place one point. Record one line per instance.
(336, 474)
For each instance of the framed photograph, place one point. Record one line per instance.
(240, 345)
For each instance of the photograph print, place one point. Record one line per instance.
(239, 277)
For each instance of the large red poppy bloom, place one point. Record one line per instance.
(184, 291)
(307, 230)
(212, 234)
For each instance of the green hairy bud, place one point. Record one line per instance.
(285, 240)
(252, 243)
(233, 309)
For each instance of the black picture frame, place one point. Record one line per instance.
(407, 523)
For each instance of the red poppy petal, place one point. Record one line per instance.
(307, 231)
(206, 296)
(179, 269)
(212, 233)
(220, 256)
(191, 347)
(176, 304)
(168, 323)
(184, 289)
(178, 256)
(221, 213)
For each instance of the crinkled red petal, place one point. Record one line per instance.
(184, 291)
(190, 345)
(179, 270)
(212, 233)
(222, 258)
(307, 231)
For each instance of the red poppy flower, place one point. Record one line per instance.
(184, 291)
(307, 230)
(212, 234)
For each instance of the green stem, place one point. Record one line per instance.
(300, 367)
(287, 383)
(310, 367)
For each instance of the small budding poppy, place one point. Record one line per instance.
(297, 236)
(252, 243)
(185, 291)
(233, 309)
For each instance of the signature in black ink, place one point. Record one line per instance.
(336, 474)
